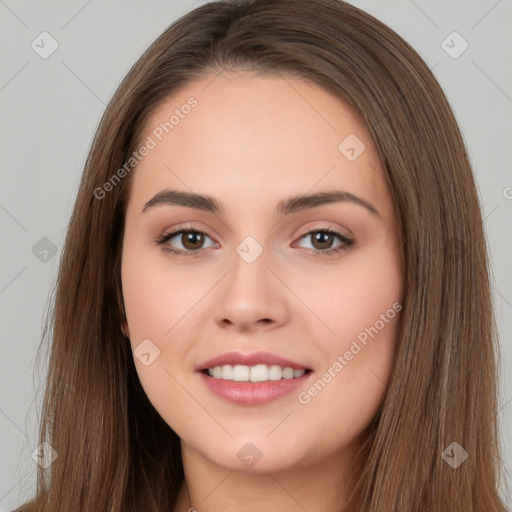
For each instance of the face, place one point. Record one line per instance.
(291, 305)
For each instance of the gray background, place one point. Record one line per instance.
(50, 109)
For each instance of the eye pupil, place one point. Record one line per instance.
(192, 237)
(324, 238)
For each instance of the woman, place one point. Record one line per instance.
(203, 357)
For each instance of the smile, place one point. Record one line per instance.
(252, 378)
(257, 373)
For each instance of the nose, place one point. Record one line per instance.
(251, 297)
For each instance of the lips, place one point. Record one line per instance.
(254, 393)
(253, 359)
(294, 376)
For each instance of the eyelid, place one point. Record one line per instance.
(186, 227)
(325, 227)
(168, 235)
(346, 241)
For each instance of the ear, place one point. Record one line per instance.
(124, 329)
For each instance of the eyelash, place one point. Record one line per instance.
(347, 243)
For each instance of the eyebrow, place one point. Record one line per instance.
(284, 207)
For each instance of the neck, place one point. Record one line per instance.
(323, 486)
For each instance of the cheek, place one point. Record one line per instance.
(159, 302)
(343, 399)
(158, 294)
(360, 302)
(355, 300)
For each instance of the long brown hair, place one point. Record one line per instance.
(115, 453)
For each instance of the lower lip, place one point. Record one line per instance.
(252, 393)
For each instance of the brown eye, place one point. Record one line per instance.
(322, 239)
(192, 240)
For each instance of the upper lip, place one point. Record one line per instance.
(251, 359)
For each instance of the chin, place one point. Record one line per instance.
(255, 455)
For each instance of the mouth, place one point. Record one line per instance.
(252, 379)
(256, 373)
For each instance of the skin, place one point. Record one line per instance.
(250, 142)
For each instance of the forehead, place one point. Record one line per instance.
(237, 135)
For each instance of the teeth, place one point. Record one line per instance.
(240, 373)
(258, 373)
